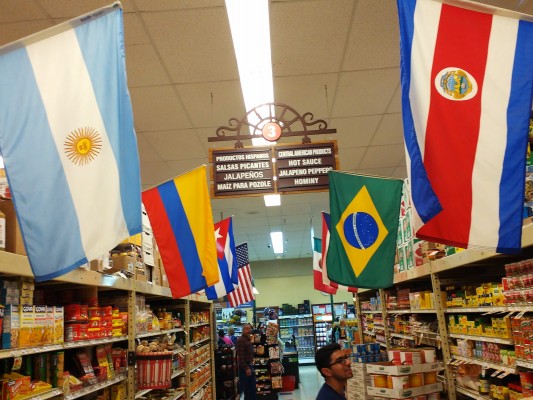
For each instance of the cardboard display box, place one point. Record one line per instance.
(14, 242)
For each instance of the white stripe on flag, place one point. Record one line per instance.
(490, 152)
(244, 292)
(426, 22)
(100, 217)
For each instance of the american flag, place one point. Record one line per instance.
(244, 292)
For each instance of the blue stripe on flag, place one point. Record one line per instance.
(183, 235)
(424, 198)
(235, 266)
(225, 285)
(109, 93)
(42, 159)
(514, 165)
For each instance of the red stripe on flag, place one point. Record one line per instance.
(453, 126)
(244, 292)
(174, 268)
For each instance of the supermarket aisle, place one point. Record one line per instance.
(310, 383)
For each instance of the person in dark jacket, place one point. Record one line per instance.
(334, 365)
(245, 355)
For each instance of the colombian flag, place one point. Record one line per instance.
(364, 225)
(182, 221)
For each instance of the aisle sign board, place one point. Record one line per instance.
(279, 169)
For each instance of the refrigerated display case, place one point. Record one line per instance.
(322, 320)
(299, 328)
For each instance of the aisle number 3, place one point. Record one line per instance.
(271, 131)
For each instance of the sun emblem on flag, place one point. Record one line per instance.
(455, 84)
(83, 145)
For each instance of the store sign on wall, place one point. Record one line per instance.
(250, 171)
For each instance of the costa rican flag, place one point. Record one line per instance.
(466, 74)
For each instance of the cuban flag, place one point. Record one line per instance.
(227, 261)
(68, 141)
(466, 75)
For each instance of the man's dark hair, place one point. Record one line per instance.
(323, 356)
(221, 332)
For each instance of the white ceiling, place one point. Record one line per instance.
(338, 59)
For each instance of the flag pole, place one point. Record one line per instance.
(254, 310)
(332, 309)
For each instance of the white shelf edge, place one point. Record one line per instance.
(524, 363)
(141, 393)
(8, 353)
(200, 365)
(471, 393)
(199, 342)
(177, 373)
(488, 339)
(200, 387)
(44, 395)
(413, 273)
(499, 367)
(198, 324)
(94, 388)
(158, 333)
(402, 336)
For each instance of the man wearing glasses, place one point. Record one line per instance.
(334, 365)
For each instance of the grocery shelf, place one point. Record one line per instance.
(402, 336)
(524, 363)
(400, 311)
(198, 324)
(423, 311)
(295, 316)
(414, 273)
(471, 393)
(472, 255)
(200, 387)
(199, 342)
(8, 353)
(141, 393)
(487, 339)
(178, 373)
(177, 396)
(486, 364)
(370, 312)
(44, 395)
(151, 289)
(369, 333)
(454, 310)
(158, 333)
(295, 326)
(200, 364)
(94, 388)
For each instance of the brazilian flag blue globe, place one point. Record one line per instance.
(365, 214)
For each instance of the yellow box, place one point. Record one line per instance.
(135, 240)
(27, 319)
(39, 324)
(59, 328)
(48, 337)
(488, 330)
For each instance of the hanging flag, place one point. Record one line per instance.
(182, 221)
(244, 293)
(364, 225)
(227, 261)
(317, 269)
(326, 227)
(467, 86)
(68, 142)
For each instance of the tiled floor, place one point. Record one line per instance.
(310, 383)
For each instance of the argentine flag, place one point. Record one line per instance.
(68, 141)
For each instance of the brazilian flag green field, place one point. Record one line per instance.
(364, 227)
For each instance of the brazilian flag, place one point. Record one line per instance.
(364, 228)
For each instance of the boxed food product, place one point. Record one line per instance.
(27, 319)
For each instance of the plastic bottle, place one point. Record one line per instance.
(484, 387)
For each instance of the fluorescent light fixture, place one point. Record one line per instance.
(277, 242)
(272, 200)
(250, 31)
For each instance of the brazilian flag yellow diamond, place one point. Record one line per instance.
(361, 230)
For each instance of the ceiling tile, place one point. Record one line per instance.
(176, 145)
(212, 103)
(395, 106)
(298, 47)
(400, 172)
(21, 10)
(382, 171)
(178, 167)
(134, 32)
(382, 156)
(350, 158)
(373, 40)
(11, 31)
(144, 67)
(160, 5)
(308, 93)
(365, 92)
(195, 45)
(147, 153)
(390, 130)
(355, 131)
(157, 108)
(75, 8)
(153, 173)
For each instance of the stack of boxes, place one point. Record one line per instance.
(499, 327)
(489, 294)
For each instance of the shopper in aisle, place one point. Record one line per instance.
(223, 339)
(334, 365)
(231, 335)
(245, 355)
